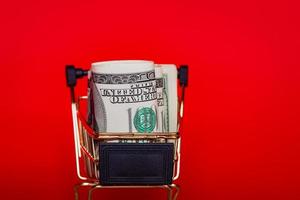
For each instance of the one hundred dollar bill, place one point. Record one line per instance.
(160, 99)
(169, 73)
(123, 97)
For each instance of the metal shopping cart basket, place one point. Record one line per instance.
(130, 160)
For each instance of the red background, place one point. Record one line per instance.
(241, 131)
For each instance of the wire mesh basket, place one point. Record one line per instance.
(124, 160)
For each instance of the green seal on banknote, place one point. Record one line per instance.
(144, 120)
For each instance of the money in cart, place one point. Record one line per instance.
(127, 125)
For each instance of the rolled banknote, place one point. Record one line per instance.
(123, 96)
(169, 73)
(160, 100)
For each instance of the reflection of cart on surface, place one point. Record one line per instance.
(124, 160)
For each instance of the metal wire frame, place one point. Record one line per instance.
(85, 138)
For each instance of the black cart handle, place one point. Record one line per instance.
(72, 74)
(183, 75)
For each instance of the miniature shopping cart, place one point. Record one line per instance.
(124, 160)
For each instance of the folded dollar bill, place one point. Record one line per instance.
(132, 96)
(169, 74)
(123, 96)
